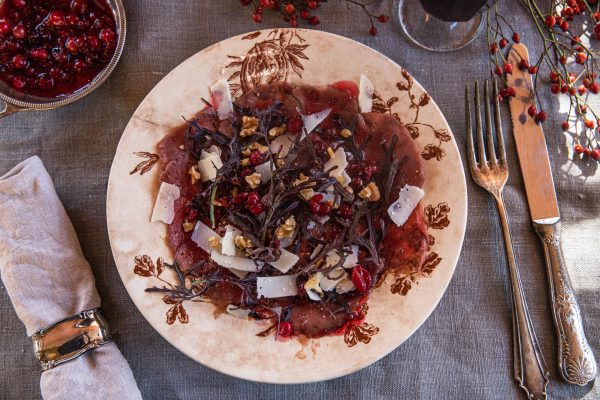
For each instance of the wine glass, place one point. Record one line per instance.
(441, 25)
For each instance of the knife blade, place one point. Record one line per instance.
(530, 143)
(577, 364)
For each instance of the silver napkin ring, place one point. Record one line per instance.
(69, 338)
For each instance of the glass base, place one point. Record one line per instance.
(434, 34)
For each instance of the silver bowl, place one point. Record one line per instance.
(12, 101)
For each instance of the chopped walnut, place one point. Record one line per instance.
(370, 192)
(214, 242)
(249, 126)
(253, 180)
(307, 194)
(276, 131)
(287, 228)
(188, 226)
(244, 162)
(313, 284)
(195, 174)
(345, 133)
(241, 242)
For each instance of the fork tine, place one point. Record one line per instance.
(480, 144)
(488, 125)
(469, 130)
(498, 122)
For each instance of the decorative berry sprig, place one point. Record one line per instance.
(292, 10)
(567, 55)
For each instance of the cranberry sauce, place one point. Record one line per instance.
(52, 48)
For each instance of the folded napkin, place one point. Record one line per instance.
(48, 279)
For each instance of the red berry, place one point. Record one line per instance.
(56, 18)
(595, 154)
(532, 111)
(572, 91)
(361, 279)
(19, 61)
(256, 158)
(19, 31)
(511, 91)
(565, 126)
(312, 4)
(532, 70)
(586, 152)
(493, 48)
(19, 4)
(581, 89)
(39, 54)
(17, 82)
(373, 30)
(553, 76)
(508, 68)
(541, 117)
(324, 209)
(257, 209)
(5, 26)
(498, 71)
(503, 43)
(524, 64)
(383, 18)
(594, 88)
(344, 211)
(314, 20)
(294, 23)
(45, 82)
(289, 8)
(564, 26)
(304, 14)
(285, 329)
(240, 198)
(555, 88)
(562, 60)
(80, 6)
(589, 124)
(516, 37)
(107, 35)
(316, 198)
(191, 214)
(578, 149)
(253, 199)
(580, 58)
(550, 21)
(257, 17)
(597, 16)
(79, 65)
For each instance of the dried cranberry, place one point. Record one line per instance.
(71, 19)
(191, 215)
(253, 199)
(294, 125)
(39, 54)
(79, 6)
(79, 65)
(45, 82)
(285, 329)
(56, 19)
(5, 26)
(225, 202)
(107, 35)
(19, 31)
(324, 209)
(256, 158)
(345, 211)
(361, 279)
(19, 61)
(18, 83)
(257, 209)
(240, 198)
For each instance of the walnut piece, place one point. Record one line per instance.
(188, 226)
(195, 174)
(253, 180)
(287, 228)
(241, 242)
(345, 133)
(249, 126)
(214, 242)
(277, 131)
(370, 192)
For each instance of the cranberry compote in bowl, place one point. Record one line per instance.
(54, 52)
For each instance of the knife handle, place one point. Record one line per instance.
(577, 364)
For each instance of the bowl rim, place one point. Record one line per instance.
(121, 21)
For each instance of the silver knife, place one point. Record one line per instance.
(576, 361)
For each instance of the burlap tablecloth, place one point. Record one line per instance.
(463, 351)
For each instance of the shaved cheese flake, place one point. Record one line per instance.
(345, 286)
(228, 247)
(211, 150)
(282, 145)
(313, 290)
(239, 263)
(336, 276)
(265, 170)
(352, 258)
(222, 97)
(400, 210)
(201, 234)
(164, 208)
(237, 311)
(311, 121)
(276, 286)
(286, 261)
(332, 258)
(209, 165)
(316, 251)
(365, 94)
(337, 164)
(313, 296)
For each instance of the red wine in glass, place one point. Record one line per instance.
(453, 10)
(441, 25)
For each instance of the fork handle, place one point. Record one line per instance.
(529, 366)
(577, 364)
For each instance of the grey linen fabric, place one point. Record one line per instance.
(463, 351)
(48, 279)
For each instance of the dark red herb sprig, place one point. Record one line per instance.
(568, 31)
(293, 10)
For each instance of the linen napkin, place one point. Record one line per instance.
(48, 279)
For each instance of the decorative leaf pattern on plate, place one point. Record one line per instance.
(147, 165)
(437, 217)
(359, 333)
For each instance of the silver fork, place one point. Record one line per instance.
(491, 173)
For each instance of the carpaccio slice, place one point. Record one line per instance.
(373, 131)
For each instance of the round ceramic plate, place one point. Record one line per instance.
(229, 344)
